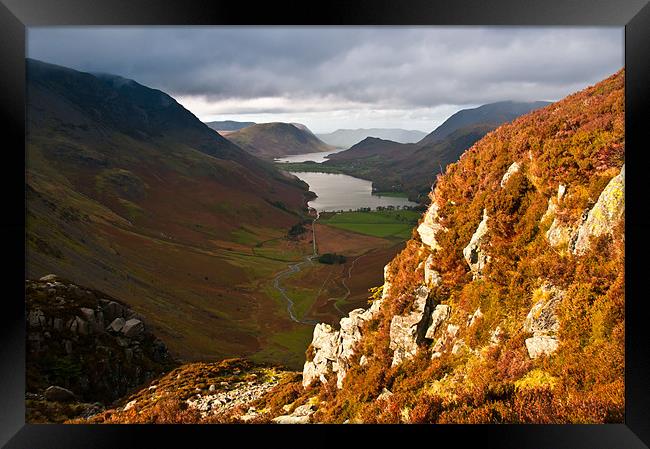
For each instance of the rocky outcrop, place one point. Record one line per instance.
(333, 350)
(446, 341)
(430, 226)
(599, 220)
(431, 277)
(71, 347)
(604, 215)
(301, 415)
(408, 331)
(541, 345)
(474, 254)
(542, 321)
(560, 233)
(514, 168)
(438, 316)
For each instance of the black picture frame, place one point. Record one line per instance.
(16, 15)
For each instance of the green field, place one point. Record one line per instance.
(396, 224)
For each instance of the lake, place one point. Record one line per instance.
(316, 157)
(340, 192)
(336, 192)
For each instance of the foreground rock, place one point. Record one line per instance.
(430, 226)
(74, 356)
(333, 350)
(542, 321)
(60, 394)
(474, 254)
(602, 218)
(408, 331)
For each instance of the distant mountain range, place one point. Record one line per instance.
(228, 125)
(272, 140)
(412, 167)
(345, 138)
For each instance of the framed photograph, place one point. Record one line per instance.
(397, 221)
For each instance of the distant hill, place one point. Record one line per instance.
(271, 140)
(412, 168)
(345, 138)
(228, 125)
(488, 114)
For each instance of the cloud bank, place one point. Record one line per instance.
(335, 77)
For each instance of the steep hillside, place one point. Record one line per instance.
(411, 168)
(508, 303)
(506, 306)
(271, 140)
(228, 125)
(346, 138)
(129, 193)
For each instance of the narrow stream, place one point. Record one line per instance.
(293, 269)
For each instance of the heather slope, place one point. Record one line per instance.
(508, 303)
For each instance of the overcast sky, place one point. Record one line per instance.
(340, 77)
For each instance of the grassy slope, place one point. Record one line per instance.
(165, 214)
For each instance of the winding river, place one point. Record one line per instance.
(335, 192)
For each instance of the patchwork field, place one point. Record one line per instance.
(396, 224)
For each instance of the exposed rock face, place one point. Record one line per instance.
(446, 341)
(542, 345)
(514, 168)
(408, 331)
(607, 211)
(474, 255)
(133, 328)
(439, 315)
(325, 345)
(542, 322)
(430, 226)
(333, 350)
(386, 290)
(559, 233)
(301, 415)
(431, 277)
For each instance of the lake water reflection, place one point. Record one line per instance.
(343, 192)
(340, 192)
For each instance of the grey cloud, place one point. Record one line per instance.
(389, 67)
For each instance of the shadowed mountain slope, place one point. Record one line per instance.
(129, 193)
(411, 168)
